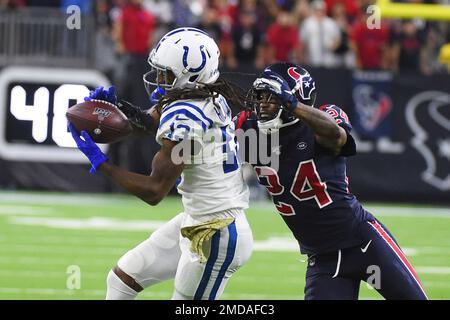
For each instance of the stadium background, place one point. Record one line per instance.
(56, 219)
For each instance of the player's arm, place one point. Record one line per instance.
(143, 120)
(153, 188)
(327, 132)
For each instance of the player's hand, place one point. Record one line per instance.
(89, 148)
(101, 93)
(278, 87)
(129, 109)
(139, 118)
(157, 94)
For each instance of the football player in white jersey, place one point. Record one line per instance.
(204, 245)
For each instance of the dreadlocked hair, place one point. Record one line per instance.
(234, 95)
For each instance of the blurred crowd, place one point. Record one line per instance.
(251, 34)
(254, 33)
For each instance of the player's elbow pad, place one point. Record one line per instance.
(139, 118)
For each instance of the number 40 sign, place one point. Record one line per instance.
(44, 109)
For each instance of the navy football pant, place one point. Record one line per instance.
(379, 261)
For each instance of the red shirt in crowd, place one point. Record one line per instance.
(370, 43)
(351, 7)
(137, 26)
(283, 40)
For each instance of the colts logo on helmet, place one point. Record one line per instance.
(304, 81)
(185, 58)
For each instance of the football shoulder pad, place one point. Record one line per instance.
(183, 120)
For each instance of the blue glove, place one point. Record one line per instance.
(102, 94)
(279, 87)
(89, 148)
(157, 94)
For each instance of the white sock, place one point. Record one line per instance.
(117, 290)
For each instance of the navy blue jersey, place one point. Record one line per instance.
(310, 186)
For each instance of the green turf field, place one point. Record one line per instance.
(42, 235)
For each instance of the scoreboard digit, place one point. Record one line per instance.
(33, 104)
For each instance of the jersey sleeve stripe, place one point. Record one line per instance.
(191, 107)
(185, 112)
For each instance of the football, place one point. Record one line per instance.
(104, 122)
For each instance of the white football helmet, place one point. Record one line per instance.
(186, 57)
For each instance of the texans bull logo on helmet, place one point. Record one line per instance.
(304, 83)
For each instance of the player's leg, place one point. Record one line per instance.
(324, 279)
(227, 250)
(397, 278)
(150, 262)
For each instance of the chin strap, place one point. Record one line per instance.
(273, 124)
(262, 126)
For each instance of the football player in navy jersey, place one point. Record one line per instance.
(345, 244)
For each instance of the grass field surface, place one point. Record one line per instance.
(45, 236)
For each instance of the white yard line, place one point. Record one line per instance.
(276, 244)
(441, 250)
(411, 212)
(435, 284)
(93, 223)
(433, 270)
(49, 274)
(67, 199)
(91, 240)
(380, 210)
(39, 249)
(51, 261)
(9, 210)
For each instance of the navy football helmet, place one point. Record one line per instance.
(300, 82)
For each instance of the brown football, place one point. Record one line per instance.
(104, 122)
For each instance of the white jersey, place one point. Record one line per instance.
(212, 179)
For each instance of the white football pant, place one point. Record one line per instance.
(166, 255)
